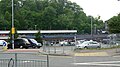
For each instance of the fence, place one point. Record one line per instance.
(58, 49)
(23, 60)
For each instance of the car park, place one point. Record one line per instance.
(89, 44)
(20, 43)
(72, 43)
(63, 43)
(34, 43)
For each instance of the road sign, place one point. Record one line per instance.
(4, 44)
(13, 30)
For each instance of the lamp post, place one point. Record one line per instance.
(35, 27)
(13, 30)
(91, 28)
(95, 29)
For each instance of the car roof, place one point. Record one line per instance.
(89, 41)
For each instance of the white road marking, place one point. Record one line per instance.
(116, 56)
(26, 61)
(106, 63)
(97, 64)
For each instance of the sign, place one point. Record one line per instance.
(4, 44)
(13, 30)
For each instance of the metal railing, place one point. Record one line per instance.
(58, 49)
(23, 60)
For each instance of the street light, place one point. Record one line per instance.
(91, 28)
(13, 29)
(35, 27)
(95, 29)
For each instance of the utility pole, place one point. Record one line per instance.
(13, 29)
(91, 28)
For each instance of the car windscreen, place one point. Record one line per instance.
(81, 42)
(86, 42)
(33, 40)
(26, 40)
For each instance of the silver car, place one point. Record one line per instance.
(89, 44)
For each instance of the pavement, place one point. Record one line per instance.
(35, 51)
(102, 52)
(92, 54)
(22, 50)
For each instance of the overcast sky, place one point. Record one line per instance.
(104, 8)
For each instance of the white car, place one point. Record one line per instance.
(63, 43)
(89, 44)
(79, 42)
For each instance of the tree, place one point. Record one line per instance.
(46, 14)
(38, 37)
(114, 24)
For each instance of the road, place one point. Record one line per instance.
(96, 61)
(91, 59)
(85, 61)
(67, 61)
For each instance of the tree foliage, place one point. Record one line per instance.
(114, 24)
(46, 14)
(38, 37)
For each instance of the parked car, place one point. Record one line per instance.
(79, 42)
(34, 43)
(72, 43)
(20, 43)
(3, 42)
(89, 44)
(65, 43)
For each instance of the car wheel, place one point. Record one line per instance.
(98, 46)
(26, 47)
(33, 46)
(9, 47)
(38, 47)
(21, 47)
(85, 47)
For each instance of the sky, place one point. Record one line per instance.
(103, 8)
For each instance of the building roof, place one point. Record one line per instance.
(41, 31)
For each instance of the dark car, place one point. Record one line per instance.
(20, 43)
(34, 43)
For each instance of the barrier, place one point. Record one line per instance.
(23, 60)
